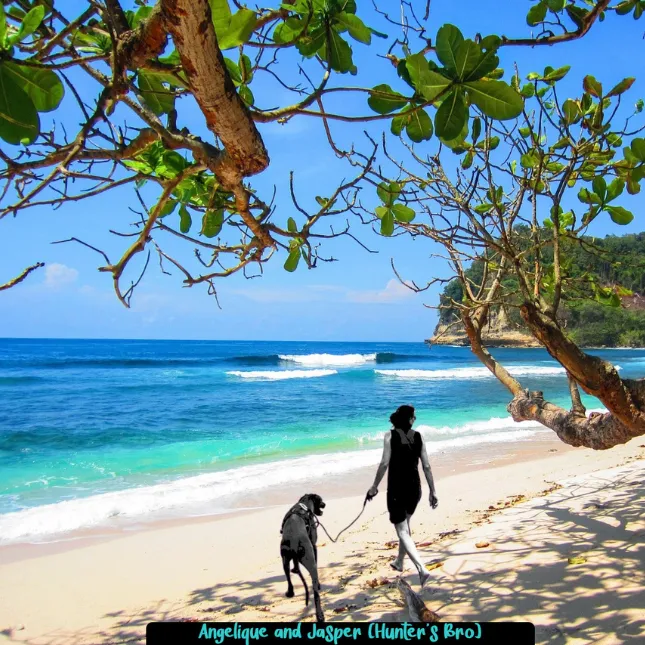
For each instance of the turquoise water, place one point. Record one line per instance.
(91, 430)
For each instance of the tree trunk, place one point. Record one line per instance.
(624, 398)
(598, 431)
(191, 27)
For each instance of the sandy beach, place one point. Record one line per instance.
(534, 510)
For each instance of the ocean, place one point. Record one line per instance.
(94, 431)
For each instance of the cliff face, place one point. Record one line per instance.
(499, 332)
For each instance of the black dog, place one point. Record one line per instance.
(299, 537)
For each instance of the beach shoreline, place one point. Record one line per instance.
(449, 462)
(104, 590)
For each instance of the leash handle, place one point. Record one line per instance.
(348, 526)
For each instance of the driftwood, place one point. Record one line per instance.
(417, 609)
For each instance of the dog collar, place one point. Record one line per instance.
(303, 507)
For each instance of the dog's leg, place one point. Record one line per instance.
(309, 563)
(285, 563)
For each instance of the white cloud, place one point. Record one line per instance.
(394, 291)
(59, 275)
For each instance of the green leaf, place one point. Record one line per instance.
(380, 211)
(600, 187)
(288, 31)
(536, 14)
(246, 68)
(528, 90)
(185, 220)
(313, 42)
(168, 207)
(592, 86)
(571, 111)
(29, 24)
(560, 144)
(494, 75)
(291, 225)
(615, 189)
(490, 43)
(398, 123)
(451, 115)
(457, 144)
(449, 38)
(154, 94)
(495, 99)
(355, 26)
(293, 259)
(246, 95)
(383, 99)
(557, 74)
(638, 148)
(556, 5)
(141, 14)
(221, 16)
(477, 128)
(212, 222)
(388, 193)
(467, 161)
(419, 126)
(403, 213)
(426, 81)
(525, 131)
(529, 159)
(340, 53)
(239, 29)
(623, 86)
(577, 14)
(620, 215)
(625, 7)
(3, 23)
(233, 71)
(42, 86)
(387, 223)
(639, 105)
(472, 64)
(482, 209)
(19, 120)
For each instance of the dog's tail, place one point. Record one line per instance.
(306, 588)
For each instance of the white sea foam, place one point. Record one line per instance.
(279, 375)
(472, 372)
(340, 360)
(476, 429)
(190, 495)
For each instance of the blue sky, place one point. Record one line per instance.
(356, 298)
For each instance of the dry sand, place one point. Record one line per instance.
(535, 511)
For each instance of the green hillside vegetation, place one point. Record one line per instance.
(604, 303)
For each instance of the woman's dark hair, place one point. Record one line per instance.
(401, 418)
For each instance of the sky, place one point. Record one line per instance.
(357, 298)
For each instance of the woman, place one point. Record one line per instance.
(402, 449)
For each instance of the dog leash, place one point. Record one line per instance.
(368, 498)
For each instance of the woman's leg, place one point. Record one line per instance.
(398, 563)
(400, 558)
(407, 545)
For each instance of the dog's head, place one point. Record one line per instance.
(313, 502)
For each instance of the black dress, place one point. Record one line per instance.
(403, 482)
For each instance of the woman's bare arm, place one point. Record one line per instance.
(382, 467)
(427, 471)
